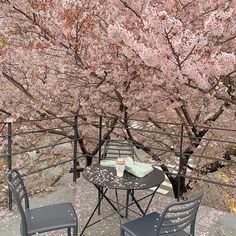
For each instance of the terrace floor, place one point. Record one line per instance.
(84, 197)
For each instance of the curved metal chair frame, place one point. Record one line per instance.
(175, 218)
(118, 148)
(43, 219)
(112, 150)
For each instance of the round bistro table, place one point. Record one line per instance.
(105, 177)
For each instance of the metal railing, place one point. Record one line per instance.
(73, 124)
(10, 134)
(180, 154)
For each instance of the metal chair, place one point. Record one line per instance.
(118, 148)
(43, 219)
(112, 150)
(175, 218)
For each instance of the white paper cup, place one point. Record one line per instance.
(120, 170)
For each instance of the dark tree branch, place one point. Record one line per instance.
(217, 114)
(130, 8)
(189, 54)
(175, 54)
(18, 85)
(226, 98)
(106, 135)
(5, 112)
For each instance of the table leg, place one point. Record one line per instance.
(99, 196)
(150, 201)
(90, 218)
(127, 203)
(118, 206)
(136, 202)
(108, 200)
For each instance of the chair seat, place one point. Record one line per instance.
(147, 225)
(51, 217)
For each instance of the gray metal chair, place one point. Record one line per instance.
(175, 218)
(114, 148)
(43, 219)
(118, 148)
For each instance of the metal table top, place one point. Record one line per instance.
(106, 177)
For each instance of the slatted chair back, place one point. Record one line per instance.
(17, 187)
(178, 216)
(118, 148)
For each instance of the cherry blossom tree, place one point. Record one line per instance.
(182, 54)
(171, 61)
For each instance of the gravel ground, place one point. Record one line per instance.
(84, 198)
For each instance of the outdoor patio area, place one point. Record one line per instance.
(118, 117)
(83, 195)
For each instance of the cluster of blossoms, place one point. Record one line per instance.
(158, 60)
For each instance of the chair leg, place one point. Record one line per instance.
(122, 232)
(75, 231)
(24, 234)
(192, 228)
(69, 231)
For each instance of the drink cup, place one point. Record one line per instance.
(120, 167)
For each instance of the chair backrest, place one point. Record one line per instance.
(17, 187)
(118, 148)
(178, 216)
